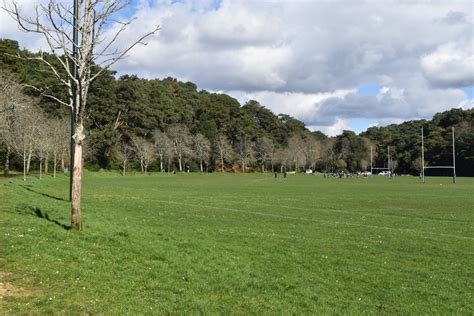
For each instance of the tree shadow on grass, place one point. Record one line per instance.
(28, 188)
(43, 215)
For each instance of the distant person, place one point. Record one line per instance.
(276, 175)
(284, 175)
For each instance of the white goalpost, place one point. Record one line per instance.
(372, 168)
(423, 167)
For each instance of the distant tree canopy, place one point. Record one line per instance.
(127, 112)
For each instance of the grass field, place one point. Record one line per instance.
(239, 244)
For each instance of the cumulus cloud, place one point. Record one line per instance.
(9, 29)
(332, 130)
(307, 58)
(450, 65)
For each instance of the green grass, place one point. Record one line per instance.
(239, 244)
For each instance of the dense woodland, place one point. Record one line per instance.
(165, 124)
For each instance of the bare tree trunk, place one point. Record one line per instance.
(41, 168)
(55, 164)
(62, 164)
(124, 168)
(46, 165)
(263, 168)
(6, 170)
(180, 164)
(76, 221)
(201, 166)
(243, 167)
(141, 166)
(273, 168)
(28, 161)
(24, 165)
(161, 163)
(222, 164)
(281, 168)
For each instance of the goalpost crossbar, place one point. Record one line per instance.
(423, 167)
(388, 168)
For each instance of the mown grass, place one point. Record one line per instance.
(243, 244)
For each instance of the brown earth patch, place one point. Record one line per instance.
(6, 288)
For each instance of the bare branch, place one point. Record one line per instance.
(120, 55)
(43, 93)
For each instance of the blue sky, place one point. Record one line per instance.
(371, 89)
(469, 92)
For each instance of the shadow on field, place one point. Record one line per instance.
(28, 188)
(43, 215)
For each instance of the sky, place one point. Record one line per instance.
(341, 64)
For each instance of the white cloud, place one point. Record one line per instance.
(334, 129)
(466, 104)
(450, 65)
(307, 58)
(303, 106)
(9, 28)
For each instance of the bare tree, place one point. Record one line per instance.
(202, 149)
(163, 146)
(263, 148)
(182, 142)
(59, 141)
(124, 154)
(12, 101)
(23, 132)
(328, 153)
(311, 150)
(224, 150)
(95, 52)
(282, 157)
(274, 157)
(41, 142)
(145, 152)
(295, 149)
(246, 152)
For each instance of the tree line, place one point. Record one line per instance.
(166, 125)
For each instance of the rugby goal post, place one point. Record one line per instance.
(372, 168)
(423, 167)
